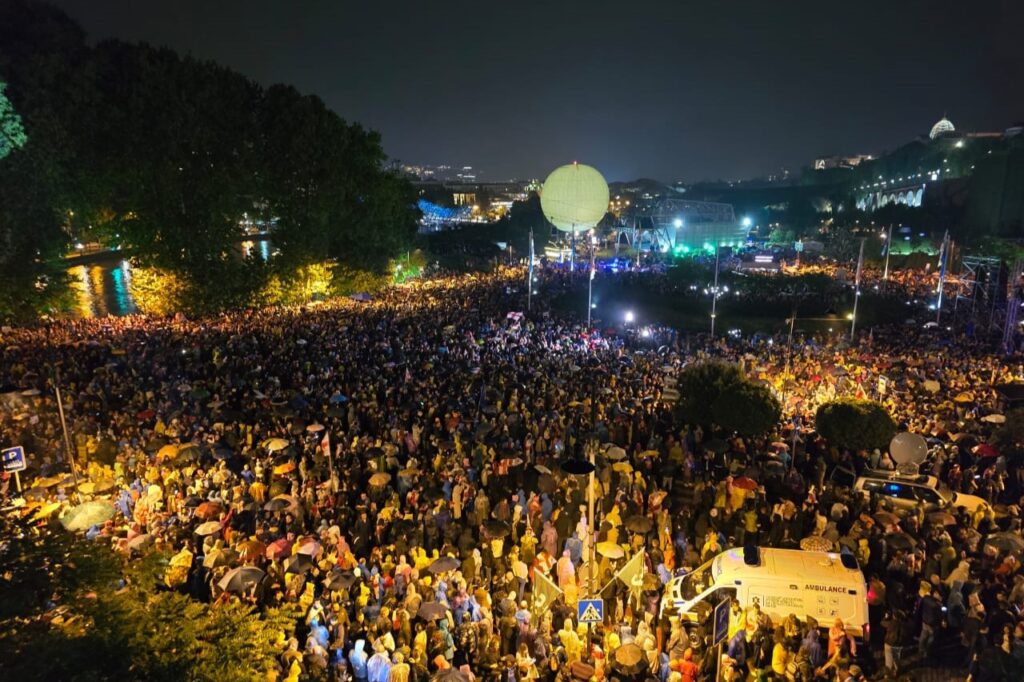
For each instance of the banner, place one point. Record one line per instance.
(632, 574)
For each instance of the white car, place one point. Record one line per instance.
(909, 492)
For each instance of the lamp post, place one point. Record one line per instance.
(64, 428)
(714, 295)
(590, 280)
(586, 467)
(856, 293)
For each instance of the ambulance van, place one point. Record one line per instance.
(824, 585)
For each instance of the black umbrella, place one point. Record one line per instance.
(483, 430)
(298, 564)
(106, 451)
(155, 444)
(899, 540)
(449, 675)
(193, 501)
(629, 660)
(639, 524)
(443, 565)
(241, 578)
(1005, 542)
(432, 610)
(547, 483)
(340, 580)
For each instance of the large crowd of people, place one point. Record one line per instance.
(395, 467)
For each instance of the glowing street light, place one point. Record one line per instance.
(747, 222)
(678, 222)
(630, 317)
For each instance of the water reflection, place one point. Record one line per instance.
(104, 288)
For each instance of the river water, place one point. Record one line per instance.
(104, 287)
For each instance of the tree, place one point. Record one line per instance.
(12, 132)
(746, 408)
(700, 385)
(115, 623)
(855, 424)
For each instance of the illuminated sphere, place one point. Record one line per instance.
(942, 128)
(574, 197)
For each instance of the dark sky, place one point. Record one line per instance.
(678, 89)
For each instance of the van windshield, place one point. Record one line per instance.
(696, 582)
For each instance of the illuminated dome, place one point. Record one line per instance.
(574, 197)
(943, 127)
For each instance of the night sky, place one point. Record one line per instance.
(670, 90)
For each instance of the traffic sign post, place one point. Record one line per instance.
(13, 460)
(590, 611)
(720, 619)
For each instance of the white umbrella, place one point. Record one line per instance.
(275, 444)
(994, 418)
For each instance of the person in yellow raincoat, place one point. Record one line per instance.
(178, 567)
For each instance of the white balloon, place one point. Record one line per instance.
(908, 448)
(574, 198)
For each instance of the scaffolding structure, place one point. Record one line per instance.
(981, 291)
(1014, 301)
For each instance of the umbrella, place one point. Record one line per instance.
(899, 540)
(931, 386)
(1005, 542)
(279, 548)
(208, 528)
(338, 398)
(138, 542)
(994, 418)
(483, 430)
(744, 483)
(155, 444)
(380, 479)
(432, 610)
(985, 450)
(274, 444)
(610, 550)
(340, 580)
(629, 660)
(251, 549)
(208, 510)
(298, 564)
(615, 454)
(497, 528)
(168, 451)
(222, 454)
(443, 565)
(639, 524)
(193, 501)
(964, 398)
(220, 557)
(542, 469)
(46, 510)
(86, 515)
(281, 502)
(187, 453)
(942, 518)
(816, 543)
(886, 518)
(449, 675)
(283, 469)
(315, 428)
(547, 483)
(308, 546)
(241, 579)
(46, 482)
(97, 487)
(649, 453)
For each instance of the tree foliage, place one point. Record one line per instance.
(165, 155)
(746, 408)
(12, 132)
(66, 613)
(855, 424)
(700, 385)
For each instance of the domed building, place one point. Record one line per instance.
(943, 128)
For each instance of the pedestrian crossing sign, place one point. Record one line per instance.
(590, 611)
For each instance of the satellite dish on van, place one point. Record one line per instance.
(909, 469)
(908, 448)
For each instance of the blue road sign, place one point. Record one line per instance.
(590, 610)
(721, 622)
(13, 459)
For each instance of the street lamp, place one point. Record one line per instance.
(629, 317)
(577, 466)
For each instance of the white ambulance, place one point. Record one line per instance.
(824, 585)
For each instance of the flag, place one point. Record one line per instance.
(545, 592)
(632, 574)
(325, 444)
